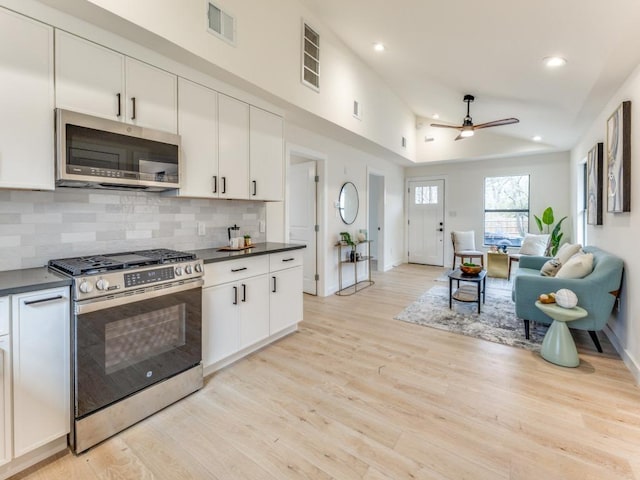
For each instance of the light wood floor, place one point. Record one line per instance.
(356, 394)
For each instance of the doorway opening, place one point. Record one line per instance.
(376, 221)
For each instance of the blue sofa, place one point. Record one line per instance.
(597, 292)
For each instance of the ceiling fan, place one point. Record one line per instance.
(467, 128)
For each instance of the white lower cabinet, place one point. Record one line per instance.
(41, 368)
(5, 382)
(240, 310)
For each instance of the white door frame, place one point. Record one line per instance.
(382, 248)
(321, 210)
(426, 178)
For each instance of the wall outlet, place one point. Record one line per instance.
(201, 229)
(261, 226)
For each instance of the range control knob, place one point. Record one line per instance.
(178, 271)
(198, 268)
(102, 284)
(188, 270)
(85, 287)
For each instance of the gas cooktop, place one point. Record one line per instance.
(118, 261)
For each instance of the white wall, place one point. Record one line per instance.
(268, 55)
(344, 163)
(464, 190)
(619, 232)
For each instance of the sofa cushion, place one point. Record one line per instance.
(566, 251)
(578, 266)
(534, 244)
(550, 268)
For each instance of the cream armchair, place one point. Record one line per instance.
(464, 246)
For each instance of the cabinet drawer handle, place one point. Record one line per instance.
(235, 295)
(133, 110)
(42, 300)
(244, 292)
(274, 285)
(119, 105)
(224, 184)
(238, 269)
(215, 184)
(255, 188)
(288, 259)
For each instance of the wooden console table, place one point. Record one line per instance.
(346, 260)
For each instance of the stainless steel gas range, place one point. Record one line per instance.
(136, 337)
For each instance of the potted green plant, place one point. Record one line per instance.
(345, 237)
(555, 233)
(247, 240)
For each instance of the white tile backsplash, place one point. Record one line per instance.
(36, 227)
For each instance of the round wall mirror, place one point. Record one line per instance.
(348, 203)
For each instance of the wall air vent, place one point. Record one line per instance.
(310, 57)
(357, 111)
(221, 24)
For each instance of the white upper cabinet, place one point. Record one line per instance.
(233, 137)
(98, 81)
(198, 129)
(152, 96)
(266, 156)
(89, 77)
(26, 128)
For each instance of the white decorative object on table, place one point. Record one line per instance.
(566, 298)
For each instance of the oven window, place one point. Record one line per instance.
(132, 340)
(123, 349)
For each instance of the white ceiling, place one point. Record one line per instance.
(437, 51)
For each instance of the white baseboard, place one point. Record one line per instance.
(35, 456)
(632, 364)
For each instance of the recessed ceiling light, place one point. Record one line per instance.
(536, 138)
(435, 116)
(554, 62)
(378, 47)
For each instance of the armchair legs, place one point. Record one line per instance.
(592, 334)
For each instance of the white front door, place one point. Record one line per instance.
(302, 218)
(426, 222)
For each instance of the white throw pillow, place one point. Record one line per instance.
(578, 266)
(550, 268)
(566, 251)
(534, 244)
(464, 241)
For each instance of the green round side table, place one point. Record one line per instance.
(558, 346)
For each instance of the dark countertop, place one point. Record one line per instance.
(29, 280)
(211, 255)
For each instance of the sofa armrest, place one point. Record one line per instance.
(533, 261)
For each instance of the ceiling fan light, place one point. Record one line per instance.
(466, 133)
(554, 62)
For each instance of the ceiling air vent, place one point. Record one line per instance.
(310, 57)
(221, 24)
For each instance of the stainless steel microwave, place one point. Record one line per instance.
(93, 152)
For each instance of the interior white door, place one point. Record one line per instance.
(426, 222)
(302, 218)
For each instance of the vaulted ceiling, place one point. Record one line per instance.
(436, 51)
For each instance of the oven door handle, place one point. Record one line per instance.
(88, 306)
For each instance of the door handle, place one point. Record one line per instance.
(244, 292)
(440, 229)
(235, 295)
(42, 300)
(215, 184)
(119, 105)
(255, 188)
(224, 184)
(274, 285)
(133, 110)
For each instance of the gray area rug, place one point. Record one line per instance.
(497, 321)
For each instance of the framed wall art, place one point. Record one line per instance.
(619, 159)
(595, 181)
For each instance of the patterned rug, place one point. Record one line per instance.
(497, 321)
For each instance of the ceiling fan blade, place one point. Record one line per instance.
(496, 123)
(440, 125)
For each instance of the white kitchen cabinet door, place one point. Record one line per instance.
(27, 99)
(152, 96)
(253, 296)
(41, 366)
(233, 137)
(198, 129)
(286, 299)
(5, 399)
(266, 166)
(89, 78)
(220, 327)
